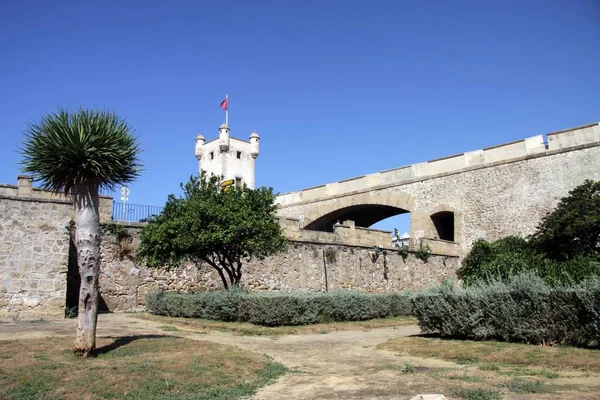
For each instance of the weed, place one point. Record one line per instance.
(409, 368)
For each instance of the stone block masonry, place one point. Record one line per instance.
(125, 282)
(34, 251)
(490, 193)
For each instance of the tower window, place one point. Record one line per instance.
(212, 155)
(239, 154)
(238, 182)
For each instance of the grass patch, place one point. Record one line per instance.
(519, 370)
(477, 394)
(495, 356)
(168, 328)
(489, 366)
(247, 329)
(522, 386)
(142, 367)
(466, 378)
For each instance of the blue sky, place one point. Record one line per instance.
(335, 89)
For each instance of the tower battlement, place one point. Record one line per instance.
(229, 157)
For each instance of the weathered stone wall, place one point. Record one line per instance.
(506, 192)
(24, 189)
(124, 282)
(34, 250)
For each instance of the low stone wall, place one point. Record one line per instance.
(24, 189)
(124, 282)
(34, 251)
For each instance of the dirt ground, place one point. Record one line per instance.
(336, 365)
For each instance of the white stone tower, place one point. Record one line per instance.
(228, 157)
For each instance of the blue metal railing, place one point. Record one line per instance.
(133, 212)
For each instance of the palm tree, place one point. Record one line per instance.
(80, 153)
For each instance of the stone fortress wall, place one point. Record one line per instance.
(508, 192)
(494, 192)
(310, 266)
(34, 249)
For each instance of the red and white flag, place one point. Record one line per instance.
(225, 104)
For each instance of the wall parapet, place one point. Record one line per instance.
(24, 191)
(441, 247)
(562, 141)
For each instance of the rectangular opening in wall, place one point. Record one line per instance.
(212, 155)
(444, 225)
(239, 154)
(238, 182)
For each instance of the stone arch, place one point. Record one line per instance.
(365, 209)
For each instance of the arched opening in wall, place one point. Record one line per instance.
(444, 225)
(373, 216)
(401, 223)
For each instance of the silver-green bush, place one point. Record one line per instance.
(523, 309)
(280, 308)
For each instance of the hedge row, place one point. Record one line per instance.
(274, 309)
(523, 309)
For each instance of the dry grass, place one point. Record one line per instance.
(137, 367)
(492, 355)
(247, 329)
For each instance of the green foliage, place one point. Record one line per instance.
(523, 308)
(573, 228)
(215, 226)
(409, 368)
(564, 248)
(509, 256)
(523, 386)
(499, 259)
(275, 308)
(403, 251)
(65, 150)
(423, 253)
(118, 231)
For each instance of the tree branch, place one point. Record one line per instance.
(212, 263)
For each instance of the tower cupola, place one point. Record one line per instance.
(199, 146)
(224, 138)
(254, 144)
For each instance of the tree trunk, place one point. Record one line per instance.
(87, 242)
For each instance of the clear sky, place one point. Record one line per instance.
(335, 89)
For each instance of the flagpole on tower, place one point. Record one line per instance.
(225, 106)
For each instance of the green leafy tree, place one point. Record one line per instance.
(80, 153)
(498, 259)
(573, 228)
(220, 227)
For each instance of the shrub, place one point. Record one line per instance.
(221, 305)
(573, 228)
(499, 259)
(512, 255)
(522, 309)
(277, 308)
